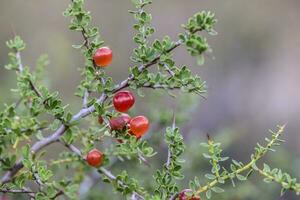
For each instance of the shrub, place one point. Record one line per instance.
(24, 124)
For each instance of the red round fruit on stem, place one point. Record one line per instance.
(117, 124)
(103, 57)
(95, 158)
(139, 126)
(125, 117)
(182, 196)
(123, 101)
(100, 120)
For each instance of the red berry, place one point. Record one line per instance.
(139, 126)
(103, 57)
(125, 117)
(95, 158)
(100, 120)
(117, 123)
(123, 101)
(182, 196)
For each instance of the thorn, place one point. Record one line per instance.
(13, 30)
(204, 97)
(209, 140)
(208, 136)
(174, 121)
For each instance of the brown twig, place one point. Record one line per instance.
(30, 193)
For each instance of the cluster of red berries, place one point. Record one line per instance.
(122, 102)
(138, 125)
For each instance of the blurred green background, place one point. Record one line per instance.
(252, 74)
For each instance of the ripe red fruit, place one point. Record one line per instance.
(95, 158)
(123, 101)
(100, 120)
(182, 196)
(125, 117)
(103, 57)
(139, 126)
(117, 123)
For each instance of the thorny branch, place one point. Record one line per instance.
(81, 114)
(246, 167)
(30, 193)
(102, 170)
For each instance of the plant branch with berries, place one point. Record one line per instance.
(116, 136)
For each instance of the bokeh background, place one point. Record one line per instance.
(252, 74)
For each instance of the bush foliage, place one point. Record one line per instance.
(40, 118)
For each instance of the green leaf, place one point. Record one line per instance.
(208, 194)
(77, 46)
(241, 178)
(217, 189)
(210, 176)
